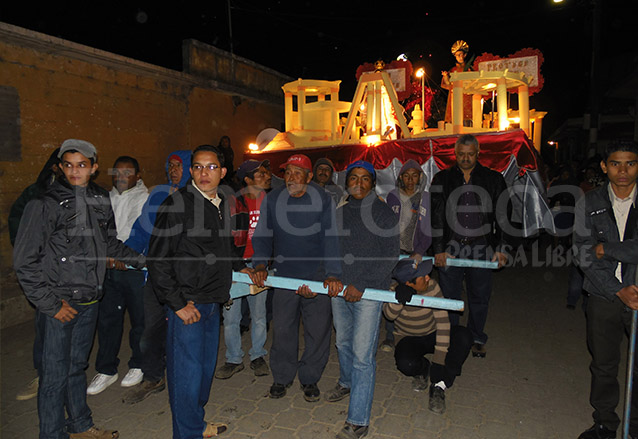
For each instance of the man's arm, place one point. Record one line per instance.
(263, 237)
(423, 234)
(600, 272)
(162, 249)
(34, 231)
(625, 251)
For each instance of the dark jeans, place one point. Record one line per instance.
(607, 324)
(191, 356)
(123, 290)
(409, 354)
(65, 356)
(153, 342)
(575, 286)
(316, 314)
(478, 282)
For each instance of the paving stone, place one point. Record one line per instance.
(533, 383)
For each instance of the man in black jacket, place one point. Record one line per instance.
(606, 244)
(467, 224)
(190, 267)
(60, 256)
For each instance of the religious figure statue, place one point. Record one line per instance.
(460, 50)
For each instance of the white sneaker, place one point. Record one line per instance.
(100, 382)
(133, 378)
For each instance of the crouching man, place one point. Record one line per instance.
(426, 331)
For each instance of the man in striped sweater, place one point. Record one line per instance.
(426, 331)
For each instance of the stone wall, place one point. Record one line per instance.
(124, 107)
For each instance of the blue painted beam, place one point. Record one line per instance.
(241, 288)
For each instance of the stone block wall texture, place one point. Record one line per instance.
(122, 106)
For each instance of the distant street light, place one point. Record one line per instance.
(421, 74)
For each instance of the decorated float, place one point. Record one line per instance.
(374, 126)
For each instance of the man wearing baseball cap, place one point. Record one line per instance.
(60, 256)
(255, 176)
(426, 331)
(296, 230)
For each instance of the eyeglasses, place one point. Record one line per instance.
(211, 167)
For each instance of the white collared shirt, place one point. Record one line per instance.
(621, 207)
(215, 200)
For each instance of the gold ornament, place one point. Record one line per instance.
(379, 65)
(460, 45)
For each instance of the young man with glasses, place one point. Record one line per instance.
(190, 266)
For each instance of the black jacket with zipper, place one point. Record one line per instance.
(190, 254)
(62, 244)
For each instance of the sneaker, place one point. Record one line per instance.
(100, 382)
(337, 394)
(143, 391)
(437, 400)
(386, 346)
(259, 366)
(30, 390)
(95, 433)
(278, 390)
(351, 431)
(228, 370)
(310, 392)
(598, 431)
(132, 378)
(478, 350)
(419, 383)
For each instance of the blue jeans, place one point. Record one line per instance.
(357, 327)
(123, 290)
(258, 330)
(65, 356)
(191, 356)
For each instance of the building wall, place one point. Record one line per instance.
(124, 107)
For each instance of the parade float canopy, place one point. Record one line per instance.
(510, 153)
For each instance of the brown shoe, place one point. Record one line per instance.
(95, 433)
(478, 350)
(214, 429)
(144, 390)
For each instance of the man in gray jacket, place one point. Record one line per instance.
(60, 256)
(606, 247)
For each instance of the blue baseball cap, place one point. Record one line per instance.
(362, 164)
(407, 269)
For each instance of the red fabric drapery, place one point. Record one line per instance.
(496, 150)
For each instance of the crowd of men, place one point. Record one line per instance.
(85, 256)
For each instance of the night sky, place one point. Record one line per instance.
(330, 39)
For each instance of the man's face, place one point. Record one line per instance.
(175, 171)
(262, 178)
(124, 176)
(466, 157)
(323, 174)
(621, 168)
(420, 283)
(77, 168)
(460, 56)
(410, 179)
(296, 180)
(205, 178)
(359, 183)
